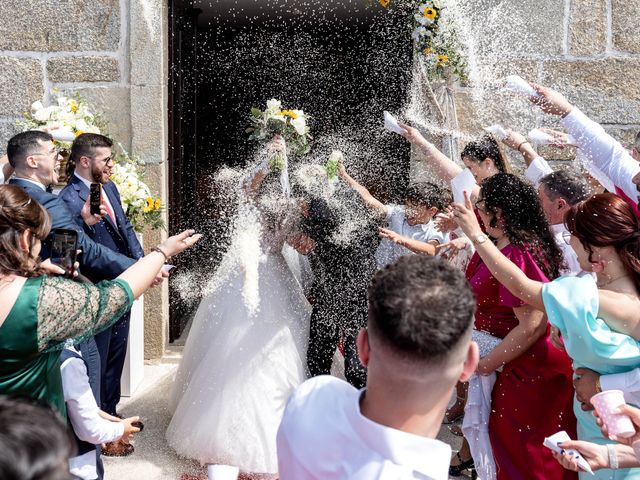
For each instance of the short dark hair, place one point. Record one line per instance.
(421, 308)
(427, 194)
(566, 184)
(34, 441)
(23, 144)
(84, 145)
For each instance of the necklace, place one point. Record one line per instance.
(612, 280)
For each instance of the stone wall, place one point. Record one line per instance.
(587, 49)
(113, 53)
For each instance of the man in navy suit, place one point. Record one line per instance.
(92, 157)
(36, 161)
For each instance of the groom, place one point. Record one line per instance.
(343, 262)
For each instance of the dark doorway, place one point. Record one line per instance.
(341, 62)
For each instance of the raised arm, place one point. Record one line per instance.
(443, 166)
(606, 153)
(416, 246)
(505, 271)
(369, 199)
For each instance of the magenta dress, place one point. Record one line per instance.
(532, 397)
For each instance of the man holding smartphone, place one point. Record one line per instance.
(95, 202)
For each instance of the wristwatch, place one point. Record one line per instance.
(479, 239)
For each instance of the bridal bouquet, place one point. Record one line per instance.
(291, 124)
(139, 205)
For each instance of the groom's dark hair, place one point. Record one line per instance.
(421, 308)
(34, 441)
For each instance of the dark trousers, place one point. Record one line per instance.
(328, 325)
(112, 345)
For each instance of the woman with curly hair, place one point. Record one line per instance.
(523, 412)
(599, 319)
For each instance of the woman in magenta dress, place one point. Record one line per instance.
(532, 397)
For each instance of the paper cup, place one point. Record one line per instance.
(222, 472)
(617, 424)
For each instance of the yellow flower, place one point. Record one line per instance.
(78, 133)
(158, 204)
(385, 3)
(150, 202)
(430, 13)
(146, 210)
(74, 106)
(443, 59)
(427, 51)
(290, 113)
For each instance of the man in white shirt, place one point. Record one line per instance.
(417, 345)
(608, 155)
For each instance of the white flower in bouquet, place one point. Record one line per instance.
(274, 106)
(300, 125)
(36, 106)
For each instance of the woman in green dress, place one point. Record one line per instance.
(39, 312)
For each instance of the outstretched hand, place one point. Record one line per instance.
(465, 217)
(634, 415)
(413, 135)
(179, 243)
(596, 455)
(551, 101)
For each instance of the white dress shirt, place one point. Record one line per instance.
(628, 382)
(83, 410)
(323, 435)
(105, 197)
(388, 252)
(536, 170)
(604, 151)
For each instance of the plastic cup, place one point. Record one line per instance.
(617, 424)
(222, 472)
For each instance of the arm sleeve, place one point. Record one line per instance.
(82, 409)
(611, 158)
(136, 249)
(536, 170)
(628, 382)
(524, 261)
(97, 261)
(72, 310)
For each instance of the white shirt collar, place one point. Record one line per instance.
(38, 184)
(427, 456)
(558, 228)
(83, 180)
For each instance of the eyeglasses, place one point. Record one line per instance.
(566, 236)
(477, 205)
(53, 153)
(106, 161)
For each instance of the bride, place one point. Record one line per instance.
(246, 349)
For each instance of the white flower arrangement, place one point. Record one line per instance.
(291, 124)
(67, 118)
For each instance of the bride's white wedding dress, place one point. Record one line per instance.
(239, 366)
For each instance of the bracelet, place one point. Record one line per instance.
(598, 386)
(522, 143)
(613, 457)
(159, 250)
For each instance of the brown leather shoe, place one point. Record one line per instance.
(117, 449)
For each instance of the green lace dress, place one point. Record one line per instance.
(48, 312)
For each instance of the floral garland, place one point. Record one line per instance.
(291, 124)
(68, 118)
(434, 37)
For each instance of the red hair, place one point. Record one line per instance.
(606, 220)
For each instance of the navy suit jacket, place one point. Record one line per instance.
(97, 262)
(119, 237)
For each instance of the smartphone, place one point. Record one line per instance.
(95, 198)
(64, 249)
